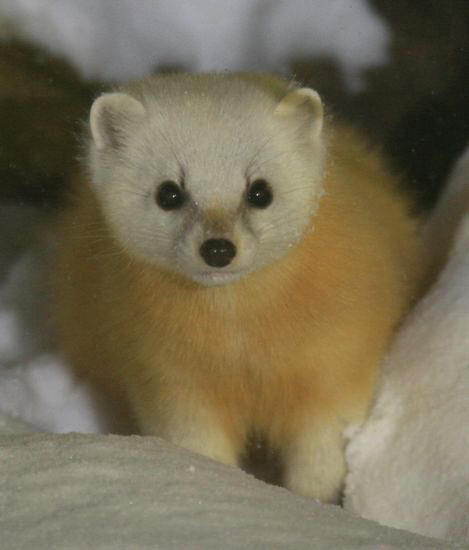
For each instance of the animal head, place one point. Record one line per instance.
(209, 176)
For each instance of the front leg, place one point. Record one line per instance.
(314, 460)
(185, 417)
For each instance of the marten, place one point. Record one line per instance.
(233, 262)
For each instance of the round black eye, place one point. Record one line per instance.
(169, 196)
(259, 194)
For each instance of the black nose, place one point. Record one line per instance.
(217, 252)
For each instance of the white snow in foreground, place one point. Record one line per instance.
(83, 491)
(119, 40)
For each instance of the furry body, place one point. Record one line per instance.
(290, 348)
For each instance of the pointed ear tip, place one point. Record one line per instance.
(115, 101)
(97, 108)
(103, 99)
(300, 98)
(110, 111)
(309, 92)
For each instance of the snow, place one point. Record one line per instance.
(86, 491)
(43, 393)
(112, 40)
(35, 385)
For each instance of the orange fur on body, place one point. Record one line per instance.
(290, 351)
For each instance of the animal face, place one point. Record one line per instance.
(211, 177)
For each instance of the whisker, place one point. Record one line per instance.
(294, 190)
(277, 224)
(170, 145)
(266, 229)
(133, 192)
(256, 165)
(259, 150)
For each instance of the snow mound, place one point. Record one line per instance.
(82, 491)
(116, 41)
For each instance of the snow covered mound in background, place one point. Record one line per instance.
(123, 39)
(348, 32)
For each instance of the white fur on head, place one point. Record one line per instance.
(110, 113)
(212, 136)
(303, 102)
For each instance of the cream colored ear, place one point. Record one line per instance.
(110, 117)
(303, 102)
